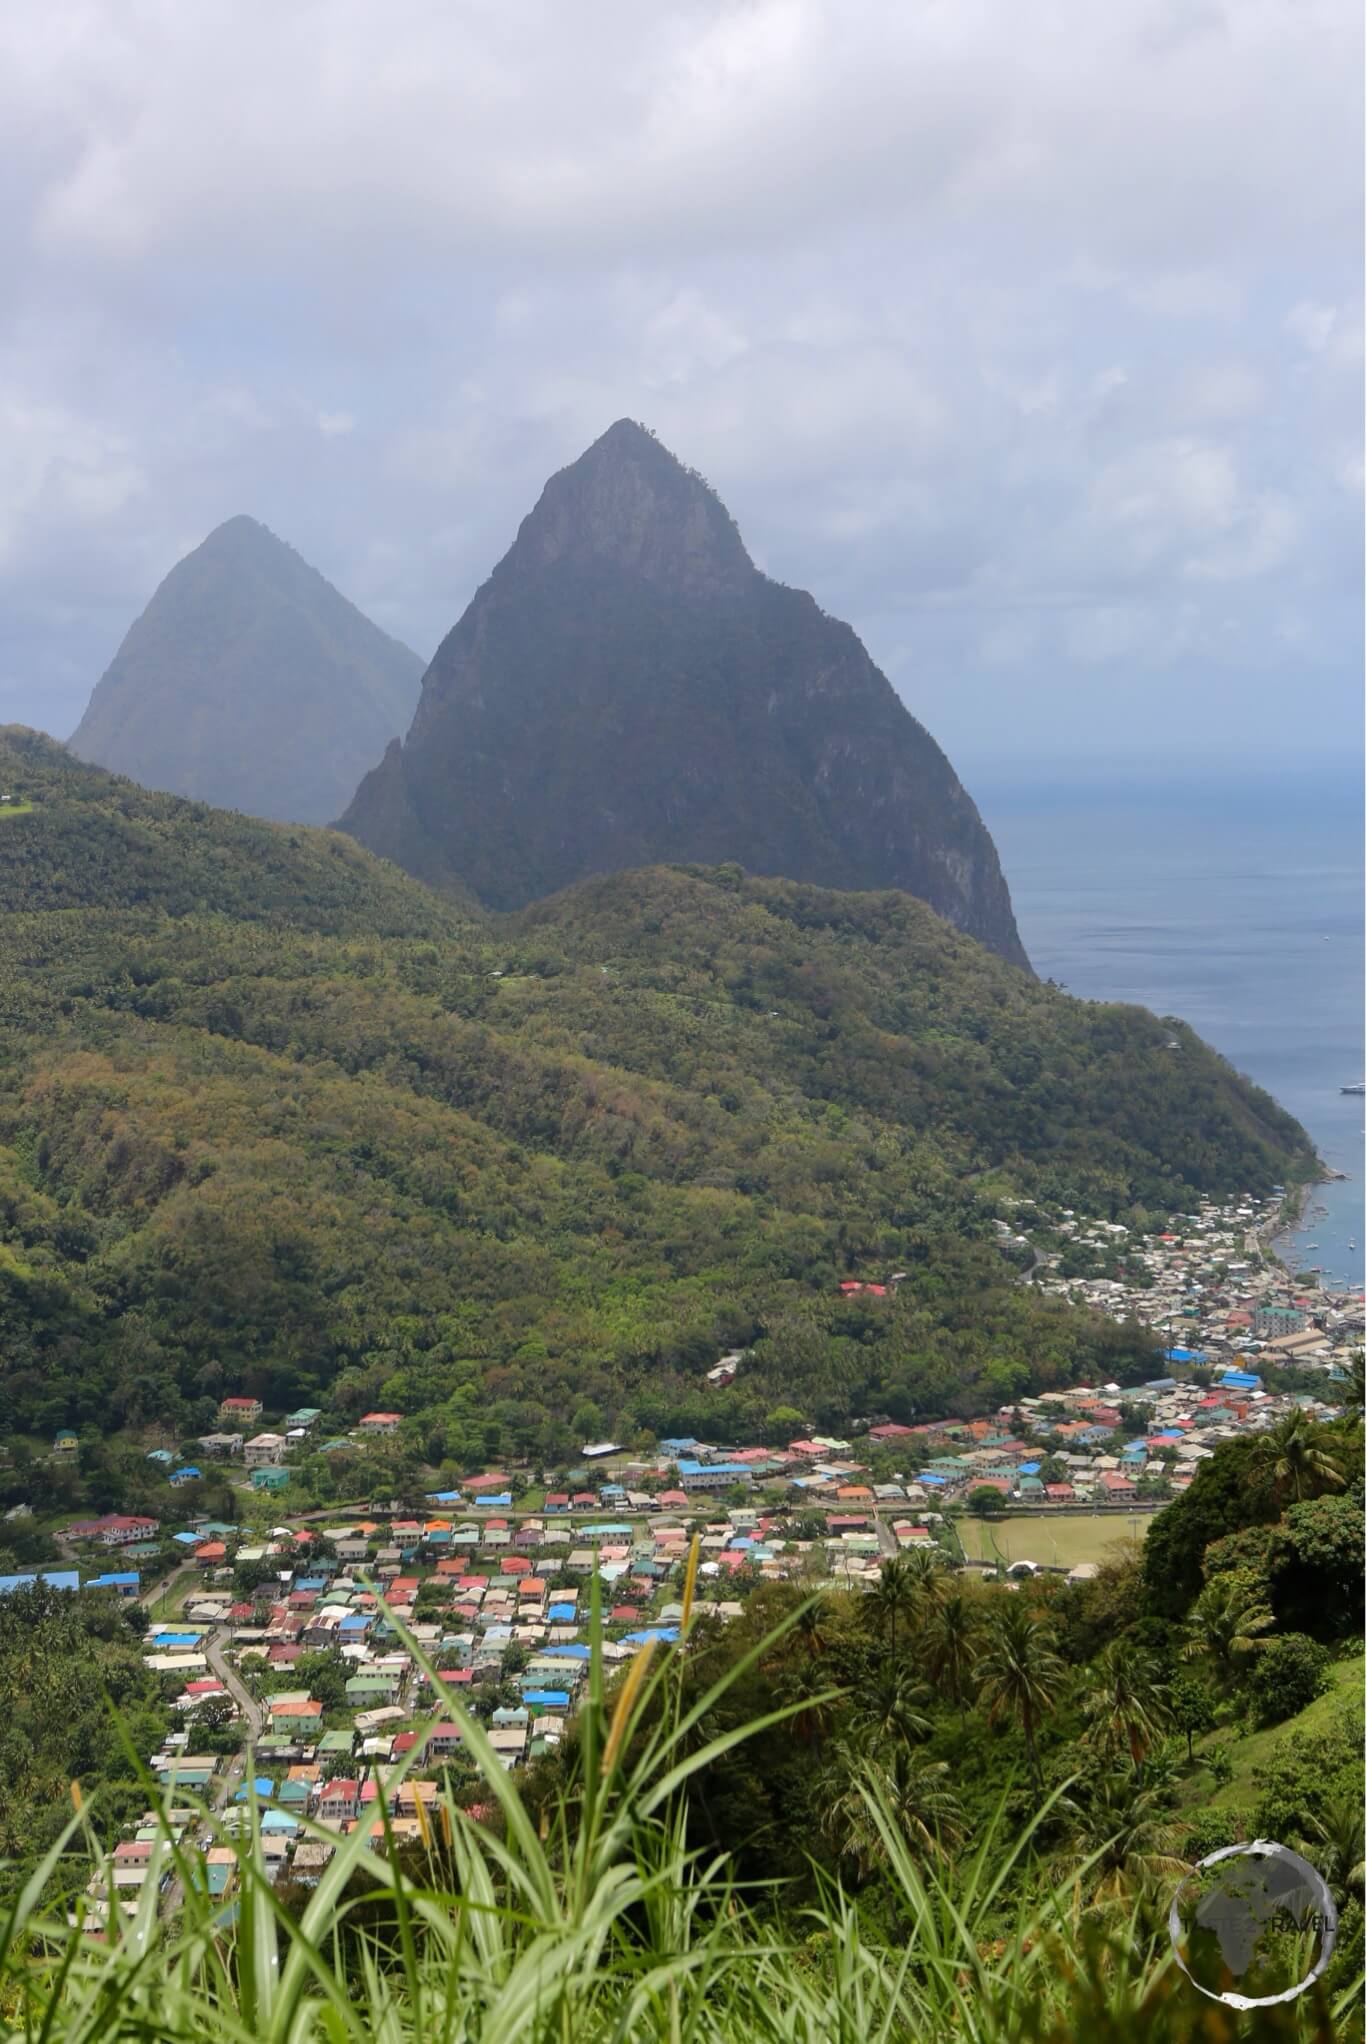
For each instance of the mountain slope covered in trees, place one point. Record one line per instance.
(275, 1117)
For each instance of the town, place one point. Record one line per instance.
(310, 1659)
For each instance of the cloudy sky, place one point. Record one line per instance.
(1028, 336)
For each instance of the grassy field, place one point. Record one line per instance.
(15, 809)
(1079, 1536)
(1251, 1754)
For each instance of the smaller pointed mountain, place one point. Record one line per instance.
(627, 689)
(251, 683)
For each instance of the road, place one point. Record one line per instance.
(253, 1713)
(233, 1775)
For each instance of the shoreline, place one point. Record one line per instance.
(1291, 1218)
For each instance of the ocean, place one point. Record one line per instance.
(1240, 912)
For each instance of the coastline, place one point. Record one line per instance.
(1275, 1235)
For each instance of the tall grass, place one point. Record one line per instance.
(598, 1922)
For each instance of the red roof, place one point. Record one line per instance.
(890, 1432)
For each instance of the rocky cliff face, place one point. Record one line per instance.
(627, 689)
(251, 683)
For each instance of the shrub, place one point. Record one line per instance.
(1211, 1830)
(1290, 1673)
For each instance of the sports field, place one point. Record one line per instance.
(1067, 1539)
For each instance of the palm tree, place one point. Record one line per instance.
(952, 1636)
(811, 1627)
(893, 1710)
(1356, 1381)
(1301, 1464)
(925, 1572)
(1125, 1704)
(911, 1792)
(1340, 1835)
(1226, 1622)
(892, 1597)
(805, 1684)
(1129, 1839)
(1019, 1673)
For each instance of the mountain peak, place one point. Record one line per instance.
(628, 690)
(249, 682)
(629, 501)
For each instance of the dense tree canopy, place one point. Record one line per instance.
(275, 1118)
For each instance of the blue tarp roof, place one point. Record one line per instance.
(1185, 1355)
(117, 1579)
(263, 1786)
(552, 1699)
(664, 1632)
(1030, 1468)
(1243, 1380)
(563, 1614)
(570, 1653)
(443, 1497)
(187, 1539)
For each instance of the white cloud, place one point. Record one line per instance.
(1015, 348)
(57, 468)
(1311, 325)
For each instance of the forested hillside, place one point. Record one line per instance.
(274, 1117)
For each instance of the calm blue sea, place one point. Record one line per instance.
(1242, 913)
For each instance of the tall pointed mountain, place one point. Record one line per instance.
(251, 683)
(627, 689)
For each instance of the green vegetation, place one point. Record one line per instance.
(275, 1118)
(66, 1664)
(656, 1878)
